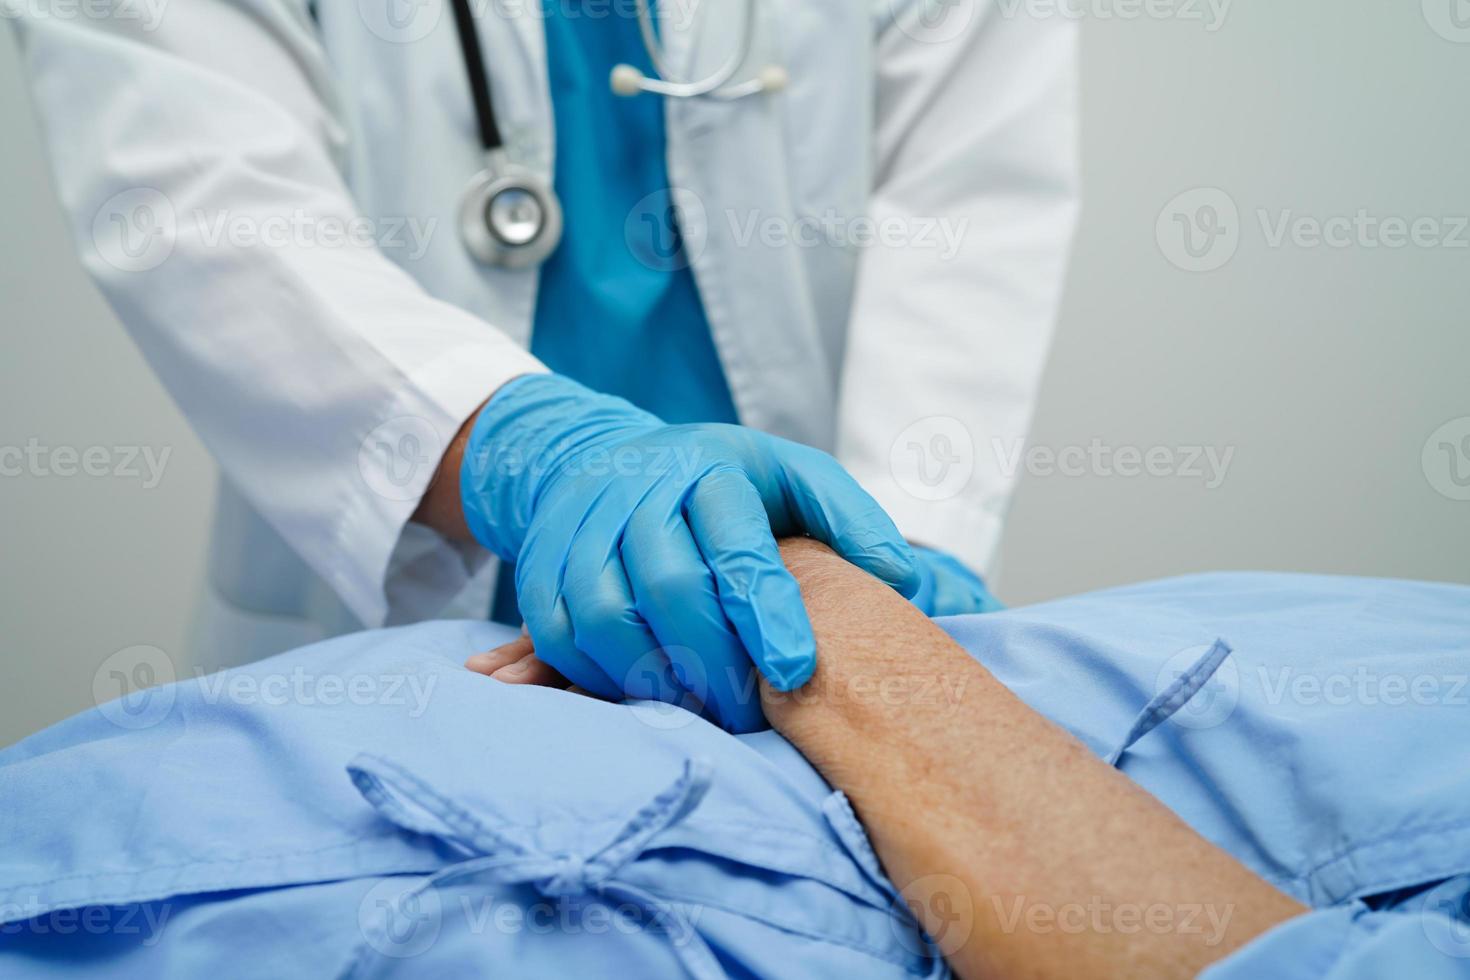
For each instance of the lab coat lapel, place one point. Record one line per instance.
(681, 25)
(727, 163)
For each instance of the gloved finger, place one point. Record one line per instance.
(757, 594)
(538, 594)
(676, 594)
(924, 597)
(827, 503)
(955, 590)
(606, 625)
(953, 597)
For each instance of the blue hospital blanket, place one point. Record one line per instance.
(365, 807)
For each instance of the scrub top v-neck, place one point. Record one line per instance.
(618, 308)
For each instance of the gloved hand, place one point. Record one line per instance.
(642, 547)
(949, 588)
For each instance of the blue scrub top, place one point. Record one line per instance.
(618, 308)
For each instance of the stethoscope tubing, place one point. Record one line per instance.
(478, 76)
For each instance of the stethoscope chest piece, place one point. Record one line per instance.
(508, 215)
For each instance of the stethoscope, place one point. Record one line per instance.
(509, 215)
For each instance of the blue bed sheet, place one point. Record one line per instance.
(365, 807)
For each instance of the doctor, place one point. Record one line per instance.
(453, 280)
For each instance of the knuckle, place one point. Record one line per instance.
(550, 633)
(601, 609)
(596, 624)
(675, 585)
(808, 455)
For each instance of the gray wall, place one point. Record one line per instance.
(1322, 371)
(88, 564)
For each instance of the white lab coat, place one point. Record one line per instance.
(308, 366)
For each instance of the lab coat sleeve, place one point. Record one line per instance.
(1351, 942)
(975, 167)
(308, 363)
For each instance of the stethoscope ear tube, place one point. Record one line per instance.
(509, 215)
(627, 80)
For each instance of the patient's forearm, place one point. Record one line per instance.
(1024, 853)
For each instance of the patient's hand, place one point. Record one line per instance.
(813, 564)
(817, 569)
(516, 663)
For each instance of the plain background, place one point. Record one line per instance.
(1324, 370)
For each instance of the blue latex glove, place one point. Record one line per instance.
(949, 588)
(646, 559)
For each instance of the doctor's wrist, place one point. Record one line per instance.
(442, 507)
